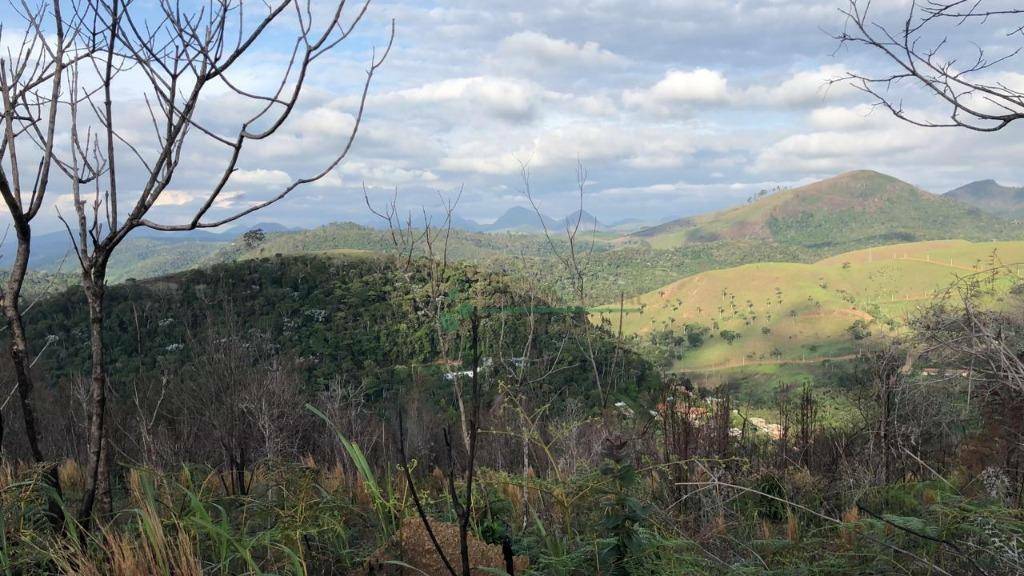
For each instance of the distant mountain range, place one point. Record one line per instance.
(528, 221)
(523, 220)
(854, 210)
(849, 211)
(50, 249)
(991, 197)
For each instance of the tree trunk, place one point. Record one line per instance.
(22, 361)
(97, 486)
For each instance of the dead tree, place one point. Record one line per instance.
(573, 259)
(173, 56)
(923, 51)
(32, 82)
(462, 505)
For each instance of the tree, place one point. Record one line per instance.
(32, 78)
(859, 330)
(923, 52)
(253, 238)
(177, 56)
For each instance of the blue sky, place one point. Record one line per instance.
(674, 107)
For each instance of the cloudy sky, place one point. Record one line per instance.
(673, 106)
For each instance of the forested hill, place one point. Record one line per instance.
(992, 197)
(361, 319)
(850, 211)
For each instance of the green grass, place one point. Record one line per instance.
(793, 313)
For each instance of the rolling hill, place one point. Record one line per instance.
(356, 318)
(991, 197)
(803, 225)
(788, 312)
(850, 211)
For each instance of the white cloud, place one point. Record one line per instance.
(324, 121)
(332, 179)
(700, 86)
(175, 198)
(538, 50)
(261, 177)
(803, 88)
(682, 97)
(504, 97)
(845, 118)
(387, 174)
(703, 87)
(840, 150)
(641, 146)
(229, 199)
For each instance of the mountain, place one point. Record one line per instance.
(520, 219)
(528, 221)
(587, 221)
(629, 225)
(991, 197)
(267, 227)
(849, 211)
(144, 253)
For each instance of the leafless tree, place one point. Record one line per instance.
(573, 259)
(462, 504)
(925, 51)
(77, 59)
(32, 80)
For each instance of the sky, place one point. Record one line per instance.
(673, 107)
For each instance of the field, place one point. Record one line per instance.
(788, 313)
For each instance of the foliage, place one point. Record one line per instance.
(363, 319)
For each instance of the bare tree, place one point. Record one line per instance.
(176, 56)
(574, 260)
(32, 79)
(922, 54)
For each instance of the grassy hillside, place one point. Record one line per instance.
(852, 210)
(790, 313)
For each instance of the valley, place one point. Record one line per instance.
(645, 288)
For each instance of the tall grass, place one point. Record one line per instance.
(180, 524)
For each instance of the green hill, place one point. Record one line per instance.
(362, 319)
(991, 197)
(850, 211)
(791, 313)
(462, 245)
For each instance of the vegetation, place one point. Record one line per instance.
(853, 211)
(834, 308)
(354, 318)
(847, 212)
(785, 390)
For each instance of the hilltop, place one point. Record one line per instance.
(991, 197)
(356, 318)
(790, 312)
(849, 211)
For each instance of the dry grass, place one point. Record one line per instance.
(72, 479)
(412, 546)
